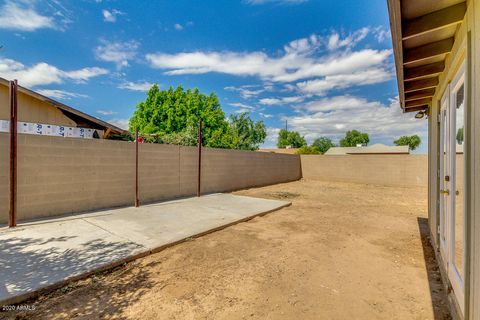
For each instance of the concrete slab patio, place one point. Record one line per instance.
(46, 254)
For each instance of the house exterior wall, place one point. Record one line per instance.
(66, 175)
(473, 162)
(466, 49)
(32, 110)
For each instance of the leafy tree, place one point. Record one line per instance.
(290, 138)
(171, 116)
(246, 133)
(411, 141)
(460, 136)
(323, 144)
(308, 150)
(354, 137)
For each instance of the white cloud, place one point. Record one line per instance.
(341, 81)
(106, 112)
(339, 103)
(265, 115)
(136, 86)
(381, 33)
(111, 16)
(42, 73)
(24, 17)
(117, 52)
(272, 137)
(270, 101)
(178, 26)
(121, 123)
(302, 59)
(246, 92)
(83, 75)
(60, 94)
(279, 101)
(335, 41)
(334, 116)
(242, 107)
(258, 2)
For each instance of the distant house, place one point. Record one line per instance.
(49, 117)
(363, 150)
(280, 150)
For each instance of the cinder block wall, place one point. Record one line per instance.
(226, 170)
(388, 170)
(60, 175)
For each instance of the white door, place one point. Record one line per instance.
(445, 175)
(452, 222)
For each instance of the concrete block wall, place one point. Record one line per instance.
(388, 170)
(226, 170)
(58, 176)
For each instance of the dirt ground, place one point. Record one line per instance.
(341, 251)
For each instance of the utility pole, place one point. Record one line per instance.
(286, 125)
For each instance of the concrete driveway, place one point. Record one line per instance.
(48, 253)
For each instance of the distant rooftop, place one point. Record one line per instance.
(280, 150)
(373, 149)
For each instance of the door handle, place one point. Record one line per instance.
(446, 191)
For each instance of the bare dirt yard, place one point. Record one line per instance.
(341, 251)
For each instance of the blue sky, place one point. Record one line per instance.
(324, 66)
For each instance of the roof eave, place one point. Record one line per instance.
(394, 10)
(64, 107)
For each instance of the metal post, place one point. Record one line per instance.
(12, 218)
(199, 157)
(137, 201)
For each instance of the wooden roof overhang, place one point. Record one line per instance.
(423, 33)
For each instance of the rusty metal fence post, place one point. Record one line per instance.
(12, 217)
(199, 182)
(137, 201)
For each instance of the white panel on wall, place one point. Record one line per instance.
(48, 130)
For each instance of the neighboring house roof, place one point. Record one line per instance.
(423, 33)
(373, 149)
(280, 150)
(74, 114)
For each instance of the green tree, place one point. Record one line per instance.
(172, 116)
(246, 133)
(290, 138)
(411, 141)
(322, 144)
(308, 150)
(354, 137)
(460, 136)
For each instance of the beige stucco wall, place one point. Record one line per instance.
(32, 110)
(389, 170)
(61, 175)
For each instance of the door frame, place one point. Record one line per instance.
(444, 201)
(447, 118)
(456, 280)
